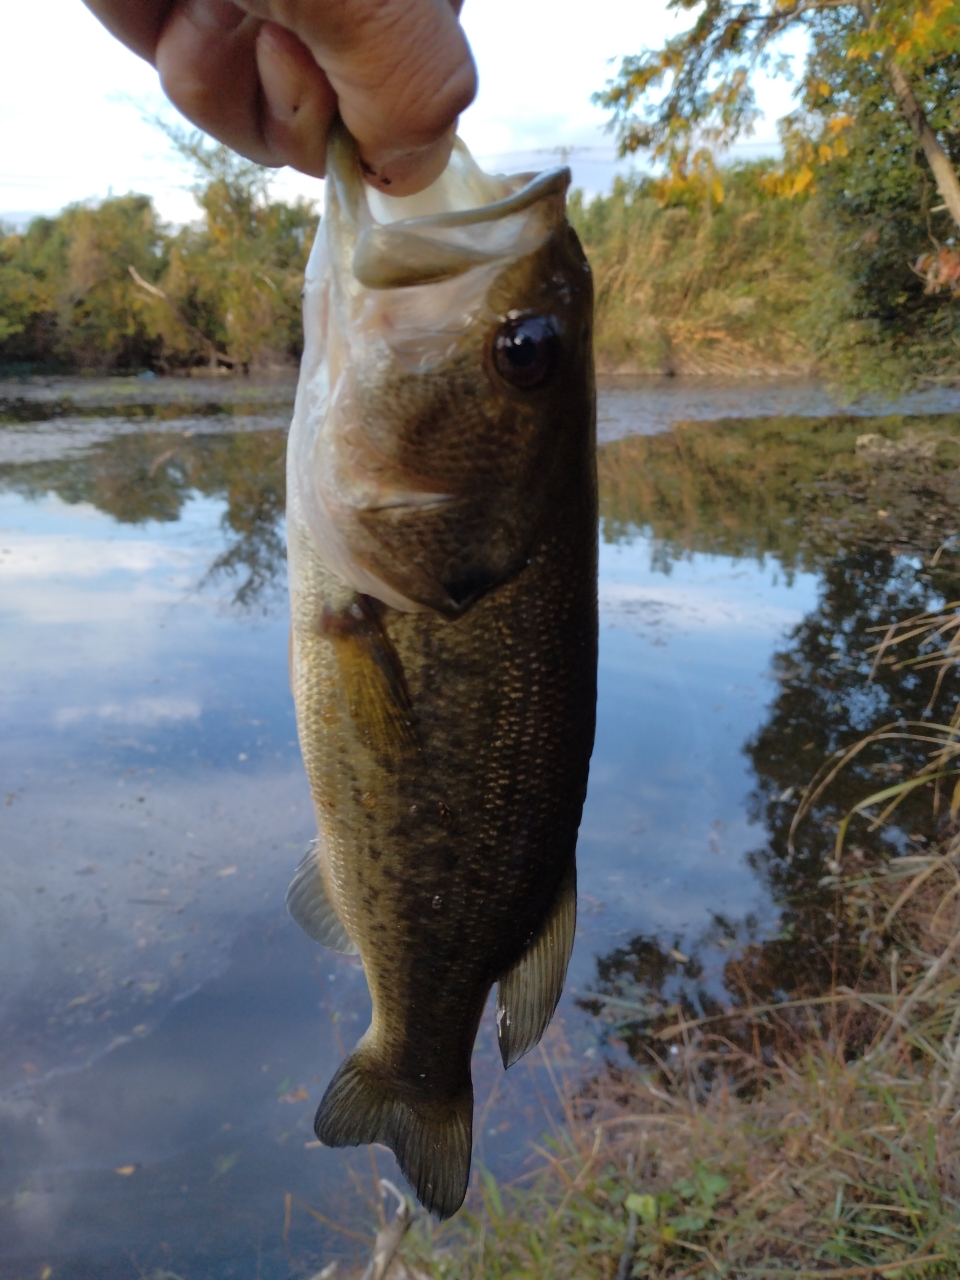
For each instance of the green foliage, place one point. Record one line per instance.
(237, 278)
(876, 135)
(65, 291)
(109, 286)
(695, 94)
(876, 323)
(22, 279)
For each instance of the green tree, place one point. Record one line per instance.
(886, 309)
(102, 320)
(109, 286)
(708, 99)
(24, 293)
(234, 280)
(66, 292)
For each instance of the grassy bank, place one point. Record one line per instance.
(699, 290)
(760, 1145)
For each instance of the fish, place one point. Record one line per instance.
(442, 550)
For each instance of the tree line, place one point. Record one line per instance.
(843, 254)
(107, 286)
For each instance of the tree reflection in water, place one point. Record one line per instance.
(152, 476)
(873, 507)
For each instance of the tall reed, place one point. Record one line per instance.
(706, 289)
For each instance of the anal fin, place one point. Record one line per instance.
(527, 994)
(310, 907)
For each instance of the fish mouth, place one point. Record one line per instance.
(391, 243)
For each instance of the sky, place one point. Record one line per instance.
(73, 101)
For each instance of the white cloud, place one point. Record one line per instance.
(109, 586)
(29, 558)
(139, 711)
(693, 607)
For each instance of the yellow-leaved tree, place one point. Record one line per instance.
(694, 96)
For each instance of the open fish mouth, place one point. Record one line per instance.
(402, 306)
(438, 246)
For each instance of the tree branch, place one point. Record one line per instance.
(944, 174)
(211, 352)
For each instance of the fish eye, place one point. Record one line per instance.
(525, 351)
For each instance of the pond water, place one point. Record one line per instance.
(167, 1030)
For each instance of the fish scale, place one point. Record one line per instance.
(442, 530)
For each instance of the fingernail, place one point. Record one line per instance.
(216, 15)
(274, 39)
(410, 171)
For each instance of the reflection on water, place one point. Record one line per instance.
(151, 476)
(168, 1032)
(877, 516)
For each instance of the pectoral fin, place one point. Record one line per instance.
(371, 677)
(528, 993)
(310, 907)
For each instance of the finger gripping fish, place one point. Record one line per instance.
(442, 524)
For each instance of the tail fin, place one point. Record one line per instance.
(431, 1139)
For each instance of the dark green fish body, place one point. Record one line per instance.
(444, 649)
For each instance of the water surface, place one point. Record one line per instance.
(167, 1030)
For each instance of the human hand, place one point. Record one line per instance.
(268, 76)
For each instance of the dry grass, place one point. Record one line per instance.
(935, 637)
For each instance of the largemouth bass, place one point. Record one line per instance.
(442, 525)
